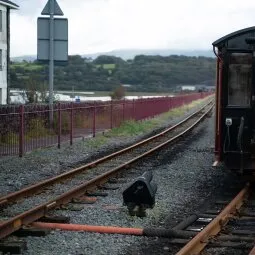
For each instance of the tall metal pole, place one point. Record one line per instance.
(51, 64)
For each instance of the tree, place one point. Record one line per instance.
(30, 91)
(118, 93)
(104, 59)
(35, 91)
(145, 73)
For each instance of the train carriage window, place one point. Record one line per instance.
(239, 79)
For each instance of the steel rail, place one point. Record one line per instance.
(32, 189)
(252, 252)
(199, 242)
(15, 223)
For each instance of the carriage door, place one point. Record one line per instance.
(240, 80)
(239, 104)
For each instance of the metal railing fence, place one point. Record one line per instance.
(27, 127)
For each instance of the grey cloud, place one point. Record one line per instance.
(28, 6)
(33, 7)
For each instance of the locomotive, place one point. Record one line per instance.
(235, 100)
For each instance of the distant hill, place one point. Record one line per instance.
(131, 53)
(151, 73)
(29, 58)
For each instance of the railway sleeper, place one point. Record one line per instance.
(187, 222)
(248, 213)
(117, 180)
(97, 194)
(242, 223)
(84, 200)
(109, 187)
(13, 247)
(215, 244)
(55, 219)
(243, 232)
(27, 231)
(71, 207)
(234, 238)
(168, 233)
(229, 244)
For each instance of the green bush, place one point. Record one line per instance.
(65, 122)
(37, 128)
(9, 138)
(80, 120)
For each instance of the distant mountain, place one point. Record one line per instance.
(28, 58)
(131, 53)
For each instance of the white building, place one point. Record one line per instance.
(188, 87)
(5, 7)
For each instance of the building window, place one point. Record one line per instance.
(1, 21)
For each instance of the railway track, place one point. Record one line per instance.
(29, 204)
(231, 226)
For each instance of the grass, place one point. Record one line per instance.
(27, 66)
(107, 66)
(96, 142)
(133, 128)
(177, 112)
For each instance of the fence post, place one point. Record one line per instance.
(133, 110)
(123, 109)
(71, 124)
(94, 120)
(21, 131)
(59, 125)
(111, 114)
(170, 103)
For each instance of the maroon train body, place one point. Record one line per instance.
(235, 100)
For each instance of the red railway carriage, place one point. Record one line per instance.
(235, 100)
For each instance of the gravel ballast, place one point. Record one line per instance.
(185, 181)
(16, 173)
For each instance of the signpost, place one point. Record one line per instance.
(52, 42)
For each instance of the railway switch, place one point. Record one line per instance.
(140, 195)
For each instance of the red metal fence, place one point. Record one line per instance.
(27, 127)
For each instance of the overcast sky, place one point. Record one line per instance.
(104, 25)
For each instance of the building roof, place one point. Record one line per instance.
(9, 4)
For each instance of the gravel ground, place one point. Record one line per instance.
(15, 172)
(185, 181)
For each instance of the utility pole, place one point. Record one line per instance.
(51, 64)
(52, 38)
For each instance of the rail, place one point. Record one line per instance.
(9, 226)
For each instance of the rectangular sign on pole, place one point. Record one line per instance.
(52, 43)
(60, 39)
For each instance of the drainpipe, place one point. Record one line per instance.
(8, 54)
(218, 94)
